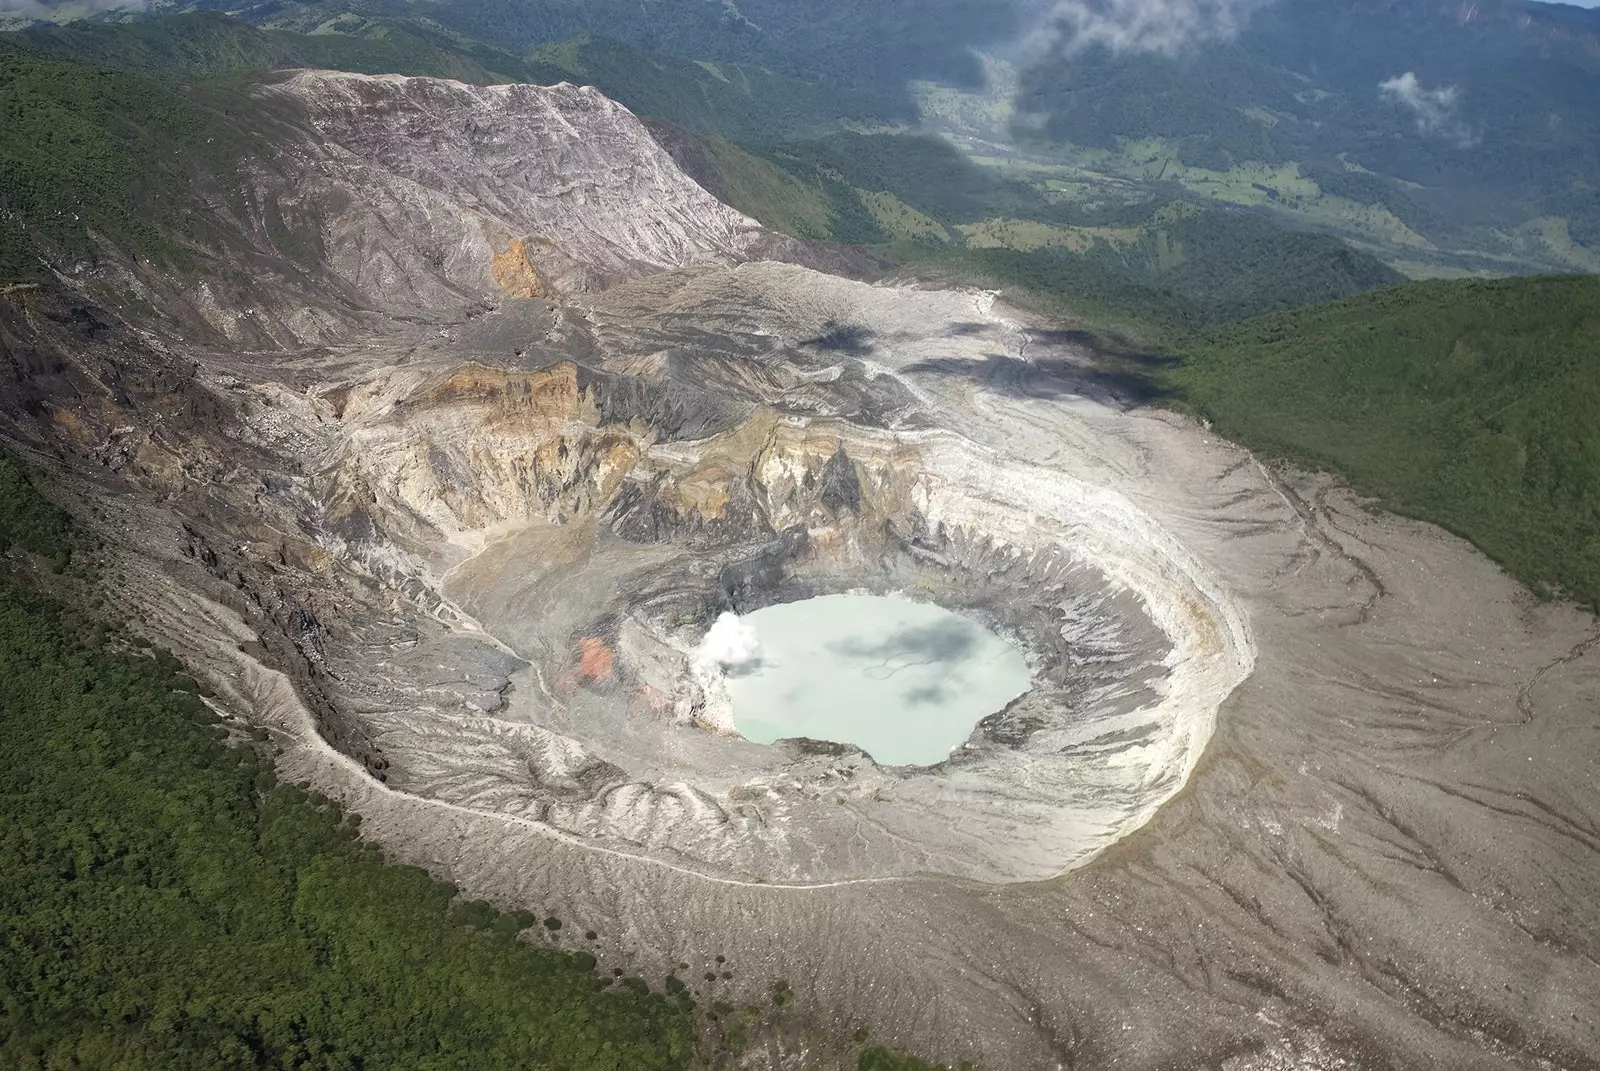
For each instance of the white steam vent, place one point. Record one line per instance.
(731, 644)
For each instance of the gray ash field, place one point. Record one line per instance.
(448, 488)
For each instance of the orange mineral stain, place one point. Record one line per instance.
(514, 272)
(595, 660)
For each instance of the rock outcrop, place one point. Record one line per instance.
(563, 180)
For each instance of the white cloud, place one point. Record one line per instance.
(1433, 109)
(1164, 26)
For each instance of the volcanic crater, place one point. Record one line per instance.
(489, 413)
(595, 542)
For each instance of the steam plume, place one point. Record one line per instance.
(1163, 26)
(730, 644)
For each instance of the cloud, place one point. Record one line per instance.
(1433, 109)
(66, 10)
(944, 642)
(925, 694)
(1164, 26)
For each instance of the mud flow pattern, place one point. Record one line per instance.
(904, 681)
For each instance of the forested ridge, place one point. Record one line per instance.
(1472, 404)
(86, 149)
(1172, 267)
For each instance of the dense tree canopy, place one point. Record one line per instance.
(1470, 404)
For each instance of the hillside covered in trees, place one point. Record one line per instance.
(1469, 404)
(167, 903)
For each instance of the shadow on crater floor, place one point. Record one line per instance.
(1128, 383)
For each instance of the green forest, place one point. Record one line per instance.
(1226, 273)
(752, 103)
(1470, 404)
(1182, 266)
(86, 149)
(30, 521)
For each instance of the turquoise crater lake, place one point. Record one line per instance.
(904, 681)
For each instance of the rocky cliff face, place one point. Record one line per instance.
(486, 411)
(356, 215)
(567, 191)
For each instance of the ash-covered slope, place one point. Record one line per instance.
(1322, 773)
(408, 198)
(589, 476)
(566, 189)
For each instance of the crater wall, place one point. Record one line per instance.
(592, 547)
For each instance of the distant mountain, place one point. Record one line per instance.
(211, 43)
(883, 43)
(92, 98)
(750, 103)
(1446, 136)
(1450, 114)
